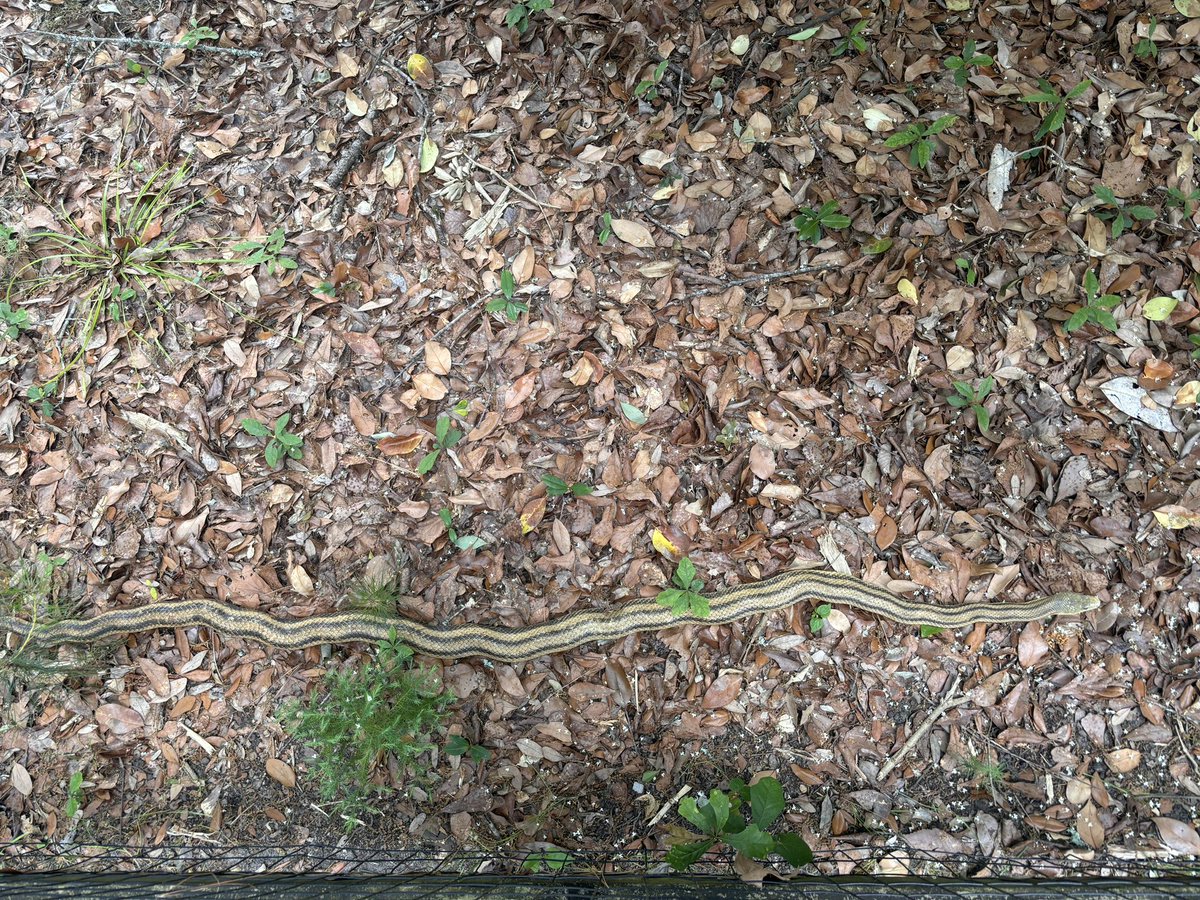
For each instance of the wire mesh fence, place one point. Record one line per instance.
(879, 871)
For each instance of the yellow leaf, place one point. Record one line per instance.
(907, 290)
(1189, 8)
(1159, 309)
(525, 526)
(420, 69)
(663, 544)
(1175, 517)
(429, 155)
(958, 5)
(1188, 394)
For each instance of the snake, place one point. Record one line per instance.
(521, 643)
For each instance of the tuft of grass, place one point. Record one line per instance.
(121, 269)
(386, 709)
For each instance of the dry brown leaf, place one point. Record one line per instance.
(20, 780)
(762, 462)
(1031, 646)
(1123, 760)
(632, 232)
(1087, 824)
(429, 386)
(400, 444)
(724, 690)
(1178, 836)
(118, 719)
(281, 772)
(522, 266)
(437, 358)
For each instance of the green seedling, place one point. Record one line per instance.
(606, 228)
(1096, 308)
(720, 819)
(1056, 114)
(920, 137)
(685, 599)
(961, 65)
(520, 14)
(967, 267)
(267, 251)
(445, 436)
(556, 487)
(1194, 340)
(820, 615)
(1145, 48)
(461, 541)
(193, 36)
(1115, 211)
(728, 436)
(457, 745)
(971, 398)
(853, 39)
(553, 860)
(280, 442)
(1177, 199)
(648, 87)
(12, 320)
(74, 795)
(507, 302)
(809, 223)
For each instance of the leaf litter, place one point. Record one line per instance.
(625, 178)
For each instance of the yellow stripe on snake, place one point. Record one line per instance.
(564, 633)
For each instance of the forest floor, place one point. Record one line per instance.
(909, 290)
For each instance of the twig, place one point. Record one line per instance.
(667, 806)
(144, 42)
(949, 702)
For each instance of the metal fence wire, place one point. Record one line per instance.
(343, 871)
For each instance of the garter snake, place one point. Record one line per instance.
(564, 633)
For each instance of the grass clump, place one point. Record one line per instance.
(386, 708)
(120, 261)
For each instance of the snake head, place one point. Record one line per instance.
(1068, 603)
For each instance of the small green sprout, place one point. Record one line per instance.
(648, 87)
(12, 320)
(961, 65)
(457, 745)
(810, 222)
(1097, 308)
(1145, 47)
(853, 39)
(968, 397)
(970, 274)
(1177, 199)
(920, 137)
(445, 436)
(267, 251)
(507, 302)
(552, 860)
(557, 487)
(1121, 216)
(520, 14)
(461, 541)
(280, 441)
(819, 617)
(606, 229)
(1056, 115)
(685, 600)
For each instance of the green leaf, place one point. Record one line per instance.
(281, 423)
(274, 453)
(508, 284)
(805, 34)
(942, 124)
(1159, 309)
(633, 414)
(290, 440)
(1078, 320)
(1108, 301)
(958, 402)
(1045, 96)
(690, 810)
(514, 16)
(878, 246)
(495, 305)
(836, 221)
(682, 857)
(1105, 193)
(954, 62)
(982, 417)
(428, 461)
(766, 802)
(928, 631)
(555, 486)
(922, 152)
(1091, 284)
(295, 453)
(698, 605)
(685, 573)
(441, 429)
(793, 848)
(985, 387)
(444, 515)
(1078, 90)
(250, 426)
(469, 542)
(1105, 318)
(675, 599)
(581, 490)
(964, 390)
(457, 745)
(902, 138)
(1142, 213)
(752, 841)
(718, 805)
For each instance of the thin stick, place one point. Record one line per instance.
(667, 806)
(949, 702)
(144, 42)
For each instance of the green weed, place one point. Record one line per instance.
(720, 820)
(971, 398)
(445, 436)
(854, 39)
(1056, 115)
(648, 87)
(1115, 211)
(810, 222)
(267, 251)
(920, 138)
(556, 487)
(685, 598)
(519, 15)
(507, 302)
(961, 65)
(280, 441)
(457, 745)
(461, 541)
(1096, 308)
(385, 708)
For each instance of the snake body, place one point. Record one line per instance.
(555, 636)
